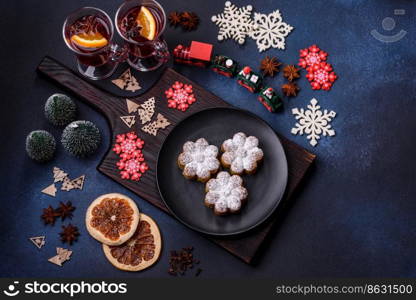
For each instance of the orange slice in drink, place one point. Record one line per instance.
(147, 22)
(89, 40)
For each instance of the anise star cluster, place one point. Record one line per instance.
(187, 20)
(269, 66)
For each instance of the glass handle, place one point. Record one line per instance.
(161, 51)
(119, 53)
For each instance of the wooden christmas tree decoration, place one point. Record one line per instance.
(132, 106)
(78, 183)
(126, 75)
(50, 190)
(132, 85)
(128, 120)
(161, 121)
(64, 254)
(146, 110)
(145, 116)
(149, 104)
(56, 260)
(58, 174)
(150, 128)
(119, 83)
(127, 82)
(67, 185)
(38, 241)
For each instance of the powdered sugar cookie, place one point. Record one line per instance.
(225, 194)
(241, 154)
(199, 160)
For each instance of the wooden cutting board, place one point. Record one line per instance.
(244, 246)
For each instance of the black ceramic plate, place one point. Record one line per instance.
(185, 198)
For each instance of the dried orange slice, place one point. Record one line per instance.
(112, 219)
(141, 251)
(90, 40)
(147, 22)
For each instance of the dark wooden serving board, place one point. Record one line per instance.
(243, 246)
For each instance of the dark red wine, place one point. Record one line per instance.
(90, 27)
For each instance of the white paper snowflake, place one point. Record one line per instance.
(270, 31)
(234, 23)
(313, 122)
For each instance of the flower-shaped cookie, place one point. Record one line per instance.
(225, 194)
(241, 154)
(199, 160)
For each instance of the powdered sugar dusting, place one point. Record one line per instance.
(199, 159)
(225, 193)
(241, 153)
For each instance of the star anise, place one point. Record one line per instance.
(291, 72)
(290, 89)
(69, 234)
(269, 66)
(49, 215)
(65, 210)
(189, 20)
(130, 26)
(174, 18)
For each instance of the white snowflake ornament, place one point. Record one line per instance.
(313, 122)
(270, 31)
(234, 23)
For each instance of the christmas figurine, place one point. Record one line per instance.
(270, 99)
(248, 79)
(198, 54)
(224, 65)
(181, 54)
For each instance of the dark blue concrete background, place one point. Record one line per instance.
(354, 215)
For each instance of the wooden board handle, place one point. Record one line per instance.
(101, 100)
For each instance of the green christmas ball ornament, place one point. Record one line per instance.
(81, 138)
(60, 110)
(40, 145)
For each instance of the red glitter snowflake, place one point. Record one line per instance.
(320, 73)
(129, 148)
(132, 168)
(321, 76)
(180, 96)
(311, 56)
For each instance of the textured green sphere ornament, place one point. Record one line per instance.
(40, 145)
(60, 110)
(81, 138)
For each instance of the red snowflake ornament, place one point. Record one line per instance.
(180, 96)
(129, 148)
(320, 73)
(311, 56)
(132, 168)
(127, 143)
(321, 76)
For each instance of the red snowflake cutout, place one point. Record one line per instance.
(127, 143)
(129, 148)
(132, 168)
(311, 56)
(180, 96)
(321, 76)
(320, 73)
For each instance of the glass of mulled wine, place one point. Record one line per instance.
(88, 32)
(141, 24)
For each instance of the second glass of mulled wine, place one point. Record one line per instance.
(141, 24)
